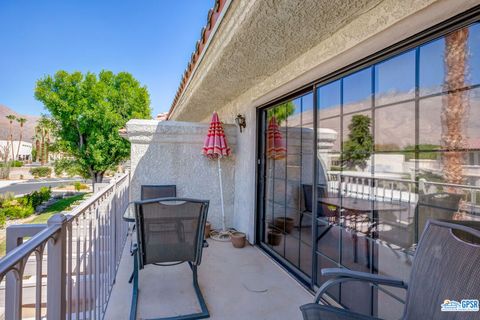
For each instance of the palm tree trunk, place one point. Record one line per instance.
(20, 139)
(455, 105)
(42, 149)
(11, 141)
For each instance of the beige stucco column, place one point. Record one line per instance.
(170, 152)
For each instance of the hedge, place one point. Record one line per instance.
(41, 171)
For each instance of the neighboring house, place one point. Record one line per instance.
(331, 61)
(24, 153)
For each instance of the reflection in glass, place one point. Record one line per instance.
(395, 79)
(450, 133)
(289, 153)
(395, 127)
(382, 172)
(329, 100)
(357, 91)
(358, 141)
(432, 70)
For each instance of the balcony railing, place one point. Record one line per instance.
(391, 189)
(81, 251)
(402, 190)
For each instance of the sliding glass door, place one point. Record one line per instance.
(351, 170)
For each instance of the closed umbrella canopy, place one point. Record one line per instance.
(215, 144)
(275, 144)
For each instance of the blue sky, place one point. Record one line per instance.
(152, 39)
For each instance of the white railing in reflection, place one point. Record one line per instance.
(400, 190)
(81, 251)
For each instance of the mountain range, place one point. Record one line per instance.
(29, 126)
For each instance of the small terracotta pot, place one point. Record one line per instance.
(284, 223)
(274, 237)
(238, 239)
(208, 229)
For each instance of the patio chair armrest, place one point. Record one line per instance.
(134, 249)
(343, 275)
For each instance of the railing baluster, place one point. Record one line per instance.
(78, 267)
(69, 270)
(56, 268)
(84, 251)
(90, 264)
(38, 283)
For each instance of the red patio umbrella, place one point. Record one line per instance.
(215, 146)
(276, 149)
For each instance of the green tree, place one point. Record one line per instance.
(88, 110)
(358, 148)
(282, 111)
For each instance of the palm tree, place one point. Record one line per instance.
(455, 104)
(11, 118)
(42, 137)
(21, 121)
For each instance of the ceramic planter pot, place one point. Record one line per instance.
(208, 228)
(238, 239)
(274, 237)
(284, 223)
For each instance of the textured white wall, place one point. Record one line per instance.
(170, 152)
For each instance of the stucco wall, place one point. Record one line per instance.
(171, 153)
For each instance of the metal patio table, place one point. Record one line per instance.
(358, 206)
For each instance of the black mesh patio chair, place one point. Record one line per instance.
(154, 191)
(171, 246)
(158, 191)
(445, 266)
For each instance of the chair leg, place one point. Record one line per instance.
(201, 301)
(133, 308)
(204, 314)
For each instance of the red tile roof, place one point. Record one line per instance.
(212, 18)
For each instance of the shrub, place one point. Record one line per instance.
(36, 198)
(16, 211)
(4, 172)
(6, 197)
(17, 164)
(12, 164)
(2, 220)
(80, 186)
(41, 171)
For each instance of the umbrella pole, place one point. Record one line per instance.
(224, 234)
(221, 193)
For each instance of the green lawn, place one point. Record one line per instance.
(59, 206)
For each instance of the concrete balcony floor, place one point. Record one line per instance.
(236, 283)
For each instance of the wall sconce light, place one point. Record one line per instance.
(241, 122)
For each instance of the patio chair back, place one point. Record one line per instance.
(445, 267)
(322, 210)
(158, 191)
(307, 195)
(170, 230)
